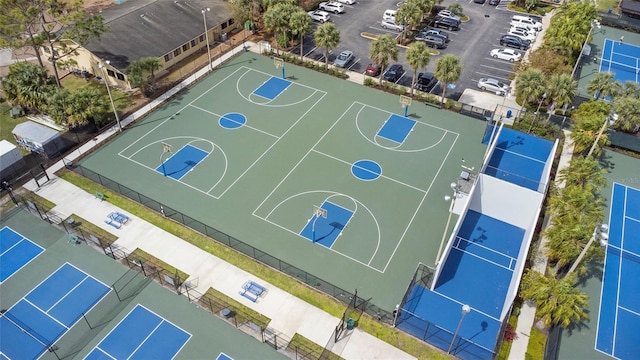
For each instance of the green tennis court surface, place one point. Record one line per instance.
(268, 151)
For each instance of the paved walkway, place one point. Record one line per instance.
(289, 314)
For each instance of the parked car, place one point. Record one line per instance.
(506, 54)
(331, 6)
(389, 15)
(479, 1)
(319, 16)
(446, 23)
(522, 34)
(426, 82)
(526, 20)
(434, 41)
(372, 70)
(514, 42)
(394, 73)
(343, 59)
(448, 14)
(494, 2)
(493, 85)
(525, 29)
(433, 32)
(348, 2)
(391, 25)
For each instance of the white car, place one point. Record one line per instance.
(391, 25)
(320, 16)
(522, 34)
(448, 14)
(389, 15)
(332, 6)
(348, 2)
(525, 29)
(493, 85)
(506, 54)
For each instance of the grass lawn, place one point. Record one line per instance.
(366, 323)
(605, 5)
(7, 124)
(121, 99)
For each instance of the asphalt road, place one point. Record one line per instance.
(472, 43)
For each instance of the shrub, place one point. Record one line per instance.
(370, 82)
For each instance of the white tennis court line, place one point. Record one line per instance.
(416, 120)
(458, 302)
(512, 259)
(521, 155)
(481, 258)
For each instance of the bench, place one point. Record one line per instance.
(116, 219)
(252, 290)
(99, 195)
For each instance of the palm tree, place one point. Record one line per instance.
(561, 88)
(584, 172)
(630, 89)
(557, 301)
(28, 85)
(382, 50)
(276, 20)
(151, 65)
(300, 23)
(530, 86)
(418, 57)
(456, 8)
(327, 36)
(628, 111)
(448, 70)
(410, 15)
(424, 6)
(603, 85)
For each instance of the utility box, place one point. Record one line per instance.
(223, 37)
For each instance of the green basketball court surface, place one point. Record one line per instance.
(250, 154)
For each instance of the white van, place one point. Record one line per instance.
(389, 15)
(525, 21)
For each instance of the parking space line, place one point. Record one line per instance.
(506, 80)
(497, 68)
(310, 51)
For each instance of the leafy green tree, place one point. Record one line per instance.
(456, 8)
(276, 20)
(628, 111)
(570, 27)
(603, 85)
(561, 89)
(584, 172)
(546, 60)
(28, 85)
(530, 86)
(448, 70)
(328, 37)
(557, 301)
(19, 24)
(141, 73)
(530, 4)
(243, 10)
(300, 24)
(382, 51)
(588, 119)
(424, 6)
(418, 56)
(410, 15)
(630, 89)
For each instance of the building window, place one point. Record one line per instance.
(202, 38)
(177, 52)
(185, 47)
(194, 42)
(231, 21)
(224, 25)
(120, 76)
(167, 57)
(111, 73)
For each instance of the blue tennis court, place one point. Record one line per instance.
(518, 158)
(272, 88)
(183, 161)
(619, 318)
(142, 334)
(326, 231)
(396, 128)
(16, 251)
(622, 59)
(44, 315)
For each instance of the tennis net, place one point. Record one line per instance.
(27, 330)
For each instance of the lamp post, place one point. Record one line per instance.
(396, 312)
(454, 187)
(594, 23)
(106, 82)
(465, 310)
(206, 33)
(600, 233)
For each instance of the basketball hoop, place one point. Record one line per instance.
(278, 62)
(167, 148)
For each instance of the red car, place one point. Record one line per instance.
(372, 70)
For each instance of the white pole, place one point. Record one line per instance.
(113, 105)
(454, 187)
(206, 33)
(465, 310)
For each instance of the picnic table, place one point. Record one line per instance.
(116, 219)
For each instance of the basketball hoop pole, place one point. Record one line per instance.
(313, 229)
(406, 110)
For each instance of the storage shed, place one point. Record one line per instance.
(10, 159)
(38, 138)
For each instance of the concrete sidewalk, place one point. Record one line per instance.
(289, 315)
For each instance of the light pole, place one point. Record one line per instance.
(106, 82)
(396, 312)
(595, 23)
(465, 310)
(600, 233)
(454, 187)
(206, 33)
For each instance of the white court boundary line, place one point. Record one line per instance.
(257, 160)
(312, 149)
(42, 250)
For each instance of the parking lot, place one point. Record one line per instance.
(472, 43)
